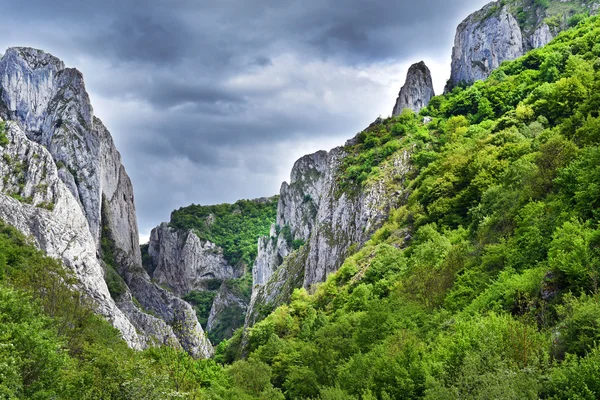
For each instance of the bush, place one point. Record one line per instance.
(3, 138)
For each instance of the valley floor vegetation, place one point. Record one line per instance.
(484, 284)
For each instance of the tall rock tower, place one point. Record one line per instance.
(417, 90)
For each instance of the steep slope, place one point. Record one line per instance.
(181, 261)
(50, 104)
(505, 30)
(323, 216)
(205, 253)
(417, 90)
(35, 200)
(484, 283)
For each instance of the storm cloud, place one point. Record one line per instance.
(212, 101)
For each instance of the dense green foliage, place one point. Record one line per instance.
(485, 283)
(52, 346)
(233, 227)
(3, 138)
(558, 14)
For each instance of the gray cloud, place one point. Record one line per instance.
(211, 101)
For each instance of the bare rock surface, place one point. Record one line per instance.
(417, 90)
(328, 221)
(65, 185)
(183, 262)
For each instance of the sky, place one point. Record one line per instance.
(211, 101)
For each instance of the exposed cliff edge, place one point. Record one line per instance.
(505, 30)
(35, 200)
(483, 41)
(319, 224)
(417, 90)
(91, 202)
(182, 262)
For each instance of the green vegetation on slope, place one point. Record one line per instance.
(3, 138)
(52, 346)
(485, 284)
(202, 302)
(233, 316)
(558, 14)
(233, 227)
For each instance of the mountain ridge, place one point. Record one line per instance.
(51, 105)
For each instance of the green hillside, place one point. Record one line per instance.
(485, 283)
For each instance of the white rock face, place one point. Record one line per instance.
(417, 90)
(183, 262)
(480, 46)
(49, 102)
(63, 231)
(271, 252)
(117, 194)
(179, 315)
(228, 305)
(541, 36)
(52, 105)
(328, 219)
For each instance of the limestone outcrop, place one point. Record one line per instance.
(183, 262)
(35, 200)
(505, 30)
(483, 43)
(417, 90)
(65, 185)
(227, 313)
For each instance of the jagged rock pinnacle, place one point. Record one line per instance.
(417, 91)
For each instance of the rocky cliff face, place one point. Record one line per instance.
(329, 223)
(183, 262)
(215, 280)
(49, 105)
(417, 90)
(36, 201)
(506, 30)
(482, 43)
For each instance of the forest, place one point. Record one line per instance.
(483, 284)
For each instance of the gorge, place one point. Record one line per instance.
(447, 251)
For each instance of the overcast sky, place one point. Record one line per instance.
(210, 101)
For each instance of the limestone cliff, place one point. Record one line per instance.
(36, 201)
(482, 43)
(228, 311)
(417, 90)
(505, 30)
(91, 201)
(182, 262)
(319, 224)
